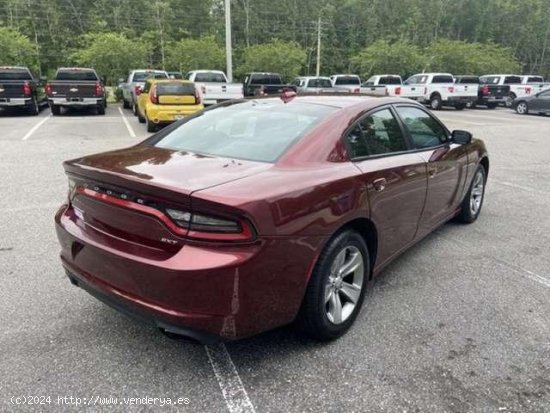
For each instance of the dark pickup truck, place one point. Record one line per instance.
(76, 87)
(262, 84)
(491, 93)
(20, 89)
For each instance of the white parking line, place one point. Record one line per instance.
(35, 127)
(234, 393)
(128, 126)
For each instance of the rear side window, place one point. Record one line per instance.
(512, 80)
(389, 80)
(175, 88)
(15, 74)
(468, 80)
(76, 75)
(418, 79)
(535, 79)
(210, 77)
(319, 83)
(347, 80)
(376, 134)
(424, 130)
(489, 80)
(442, 79)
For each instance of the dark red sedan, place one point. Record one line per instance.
(258, 213)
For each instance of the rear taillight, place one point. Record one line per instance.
(398, 90)
(356, 90)
(27, 91)
(451, 89)
(387, 92)
(528, 90)
(485, 90)
(203, 89)
(98, 89)
(48, 89)
(208, 227)
(425, 90)
(153, 97)
(198, 99)
(137, 90)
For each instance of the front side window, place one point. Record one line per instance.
(424, 130)
(545, 94)
(347, 80)
(512, 80)
(442, 79)
(376, 134)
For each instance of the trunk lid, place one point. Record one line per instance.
(176, 93)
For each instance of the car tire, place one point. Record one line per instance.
(508, 103)
(134, 109)
(460, 106)
(101, 109)
(522, 108)
(141, 119)
(151, 127)
(492, 105)
(435, 102)
(33, 109)
(334, 297)
(125, 104)
(473, 201)
(56, 110)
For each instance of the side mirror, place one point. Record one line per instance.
(461, 137)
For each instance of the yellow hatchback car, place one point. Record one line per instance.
(163, 101)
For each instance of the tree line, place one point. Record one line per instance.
(360, 36)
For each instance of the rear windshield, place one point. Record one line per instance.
(347, 80)
(512, 80)
(442, 79)
(489, 80)
(210, 77)
(266, 80)
(76, 75)
(468, 80)
(175, 75)
(15, 74)
(141, 76)
(324, 83)
(254, 130)
(175, 89)
(389, 80)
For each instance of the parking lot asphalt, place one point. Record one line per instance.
(459, 323)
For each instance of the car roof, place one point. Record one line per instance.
(313, 77)
(76, 68)
(13, 67)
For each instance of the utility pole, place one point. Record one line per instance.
(161, 32)
(318, 69)
(228, 51)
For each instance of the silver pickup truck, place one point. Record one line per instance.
(314, 84)
(214, 86)
(136, 79)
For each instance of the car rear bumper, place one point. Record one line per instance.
(171, 113)
(75, 102)
(202, 291)
(10, 102)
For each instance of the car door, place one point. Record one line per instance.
(395, 179)
(541, 103)
(447, 165)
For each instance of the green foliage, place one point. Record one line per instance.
(463, 58)
(285, 58)
(16, 49)
(111, 54)
(193, 54)
(400, 57)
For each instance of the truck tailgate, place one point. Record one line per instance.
(70, 89)
(11, 89)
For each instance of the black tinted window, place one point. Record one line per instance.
(467, 80)
(255, 130)
(266, 80)
(489, 80)
(424, 130)
(376, 134)
(512, 80)
(347, 80)
(535, 79)
(210, 77)
(15, 74)
(320, 83)
(76, 75)
(442, 79)
(175, 88)
(389, 80)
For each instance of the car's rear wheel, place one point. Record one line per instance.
(435, 102)
(460, 106)
(151, 127)
(101, 109)
(510, 100)
(522, 108)
(492, 105)
(56, 110)
(135, 108)
(125, 104)
(336, 288)
(473, 201)
(34, 109)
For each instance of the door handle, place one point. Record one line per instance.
(379, 184)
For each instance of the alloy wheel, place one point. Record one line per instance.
(476, 196)
(344, 284)
(522, 108)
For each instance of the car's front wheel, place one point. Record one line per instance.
(336, 288)
(473, 201)
(522, 108)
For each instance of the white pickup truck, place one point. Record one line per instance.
(383, 85)
(519, 87)
(537, 82)
(350, 82)
(214, 86)
(434, 89)
(468, 85)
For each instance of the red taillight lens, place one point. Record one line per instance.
(207, 227)
(137, 90)
(398, 90)
(356, 90)
(198, 99)
(48, 89)
(485, 90)
(98, 89)
(27, 91)
(203, 89)
(451, 89)
(153, 97)
(528, 90)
